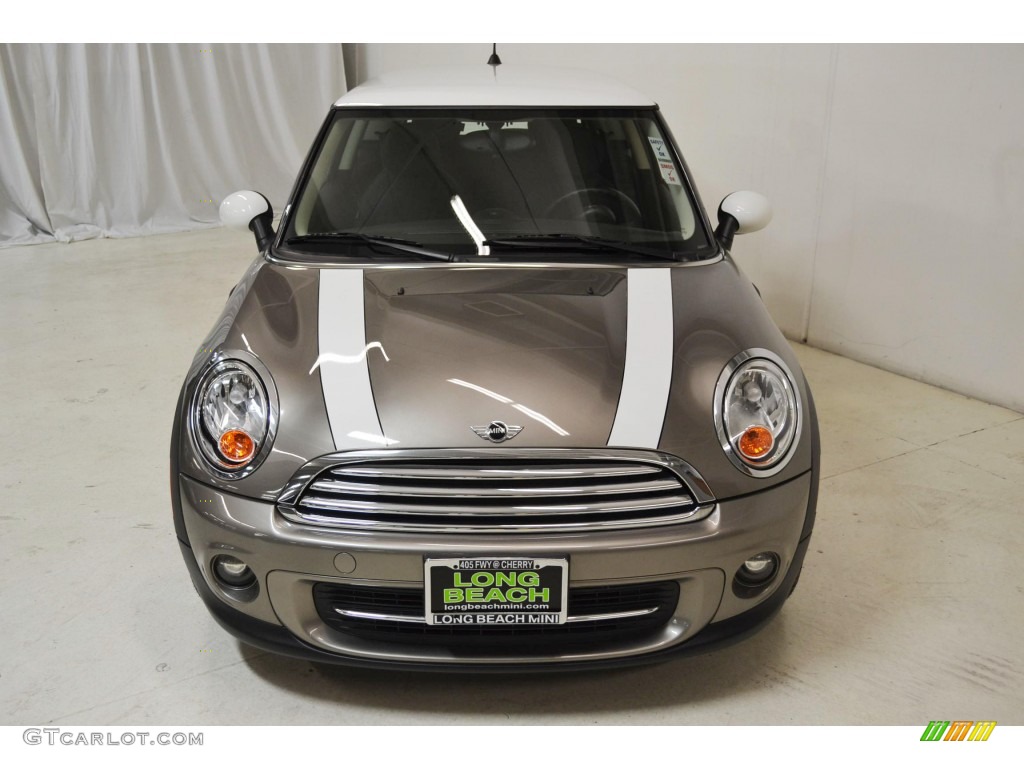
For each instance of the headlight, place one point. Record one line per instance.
(757, 412)
(231, 418)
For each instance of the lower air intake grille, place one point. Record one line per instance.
(396, 616)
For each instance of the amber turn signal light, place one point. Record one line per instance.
(755, 442)
(236, 446)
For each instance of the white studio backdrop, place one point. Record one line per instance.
(131, 139)
(896, 173)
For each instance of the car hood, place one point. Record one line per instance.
(562, 356)
(448, 352)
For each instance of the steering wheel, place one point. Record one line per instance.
(594, 209)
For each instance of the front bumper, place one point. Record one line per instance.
(289, 559)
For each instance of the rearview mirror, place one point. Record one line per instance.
(249, 210)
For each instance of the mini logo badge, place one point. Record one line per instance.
(497, 431)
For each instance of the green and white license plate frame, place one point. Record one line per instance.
(459, 591)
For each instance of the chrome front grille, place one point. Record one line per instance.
(494, 491)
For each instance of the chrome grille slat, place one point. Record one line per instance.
(486, 473)
(495, 491)
(525, 510)
(399, 525)
(482, 491)
(373, 616)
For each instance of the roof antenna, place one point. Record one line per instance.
(494, 60)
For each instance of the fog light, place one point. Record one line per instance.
(233, 572)
(758, 569)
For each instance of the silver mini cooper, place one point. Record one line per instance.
(494, 395)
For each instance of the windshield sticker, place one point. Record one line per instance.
(660, 150)
(668, 173)
(665, 164)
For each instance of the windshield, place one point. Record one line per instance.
(491, 181)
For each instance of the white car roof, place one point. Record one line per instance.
(485, 86)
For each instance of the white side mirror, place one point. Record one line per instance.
(239, 209)
(249, 210)
(740, 213)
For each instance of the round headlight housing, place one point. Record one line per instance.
(231, 417)
(757, 412)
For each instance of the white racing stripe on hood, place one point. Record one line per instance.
(648, 372)
(344, 373)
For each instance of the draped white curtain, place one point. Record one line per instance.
(120, 140)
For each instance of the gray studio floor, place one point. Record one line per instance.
(910, 607)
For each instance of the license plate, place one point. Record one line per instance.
(496, 591)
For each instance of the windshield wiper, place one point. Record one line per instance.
(563, 240)
(384, 241)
